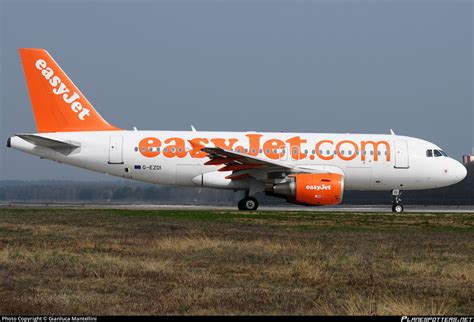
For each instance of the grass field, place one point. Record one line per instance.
(66, 261)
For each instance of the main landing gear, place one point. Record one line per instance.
(397, 201)
(248, 203)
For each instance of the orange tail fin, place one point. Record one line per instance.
(58, 105)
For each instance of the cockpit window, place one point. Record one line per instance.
(435, 153)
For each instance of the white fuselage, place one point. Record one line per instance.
(367, 162)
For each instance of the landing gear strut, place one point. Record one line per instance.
(248, 203)
(397, 201)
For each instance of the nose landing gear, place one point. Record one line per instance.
(397, 201)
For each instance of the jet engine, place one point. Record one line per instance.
(310, 189)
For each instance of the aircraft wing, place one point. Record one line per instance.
(218, 155)
(244, 166)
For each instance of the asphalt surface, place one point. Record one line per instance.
(343, 208)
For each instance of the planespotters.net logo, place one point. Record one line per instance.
(59, 88)
(437, 319)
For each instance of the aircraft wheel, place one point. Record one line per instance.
(397, 201)
(397, 208)
(241, 204)
(249, 203)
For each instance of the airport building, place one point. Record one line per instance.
(466, 159)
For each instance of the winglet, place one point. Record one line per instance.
(193, 128)
(391, 132)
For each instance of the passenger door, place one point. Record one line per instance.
(115, 149)
(401, 155)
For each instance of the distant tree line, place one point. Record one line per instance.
(109, 192)
(127, 192)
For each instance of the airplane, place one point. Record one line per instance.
(312, 169)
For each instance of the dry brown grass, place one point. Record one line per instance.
(297, 270)
(101, 262)
(357, 304)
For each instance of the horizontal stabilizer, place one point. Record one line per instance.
(47, 142)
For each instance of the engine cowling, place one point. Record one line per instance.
(312, 189)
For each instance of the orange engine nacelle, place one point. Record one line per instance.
(312, 189)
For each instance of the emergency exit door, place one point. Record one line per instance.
(115, 150)
(401, 155)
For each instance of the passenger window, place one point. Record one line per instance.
(429, 153)
(437, 153)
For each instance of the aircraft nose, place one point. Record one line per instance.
(459, 171)
(463, 171)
